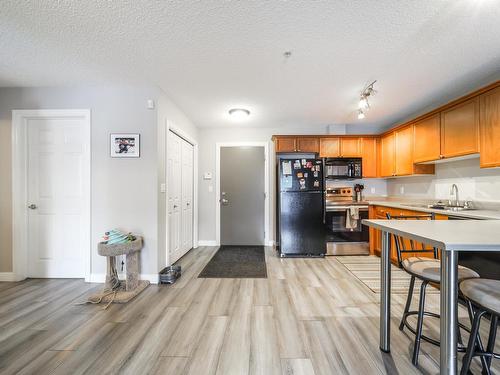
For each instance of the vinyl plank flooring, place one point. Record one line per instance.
(170, 365)
(206, 355)
(264, 359)
(234, 358)
(290, 335)
(297, 366)
(225, 299)
(310, 316)
(188, 331)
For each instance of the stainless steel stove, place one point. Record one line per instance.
(342, 238)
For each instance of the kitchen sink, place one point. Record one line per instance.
(441, 207)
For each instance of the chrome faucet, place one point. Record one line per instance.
(454, 192)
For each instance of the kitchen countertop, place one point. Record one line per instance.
(446, 235)
(480, 214)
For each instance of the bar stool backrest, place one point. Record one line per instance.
(414, 248)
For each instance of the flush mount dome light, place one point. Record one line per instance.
(239, 113)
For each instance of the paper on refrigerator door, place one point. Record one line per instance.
(286, 167)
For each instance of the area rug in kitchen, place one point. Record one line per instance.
(233, 261)
(367, 270)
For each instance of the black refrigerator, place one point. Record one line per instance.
(301, 230)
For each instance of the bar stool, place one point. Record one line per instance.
(427, 270)
(484, 294)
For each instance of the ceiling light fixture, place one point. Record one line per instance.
(364, 104)
(239, 113)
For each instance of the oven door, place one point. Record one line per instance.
(335, 222)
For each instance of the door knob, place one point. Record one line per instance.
(224, 201)
(32, 206)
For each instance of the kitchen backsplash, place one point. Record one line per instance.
(474, 183)
(374, 187)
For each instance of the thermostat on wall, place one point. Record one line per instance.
(207, 176)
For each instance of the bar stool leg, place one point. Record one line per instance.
(408, 303)
(471, 346)
(491, 343)
(420, 321)
(470, 310)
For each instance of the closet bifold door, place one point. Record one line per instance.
(180, 196)
(187, 197)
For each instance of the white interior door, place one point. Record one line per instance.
(187, 196)
(174, 196)
(180, 196)
(58, 192)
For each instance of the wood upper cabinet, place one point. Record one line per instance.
(350, 147)
(387, 155)
(369, 156)
(460, 129)
(427, 139)
(296, 144)
(403, 146)
(329, 147)
(396, 155)
(307, 144)
(285, 144)
(490, 128)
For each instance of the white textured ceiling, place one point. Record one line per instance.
(212, 55)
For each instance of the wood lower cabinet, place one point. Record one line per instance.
(460, 129)
(490, 128)
(329, 147)
(369, 157)
(307, 144)
(427, 139)
(380, 212)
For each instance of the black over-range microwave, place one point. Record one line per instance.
(343, 168)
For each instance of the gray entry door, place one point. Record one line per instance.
(242, 195)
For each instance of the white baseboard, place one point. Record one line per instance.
(9, 276)
(207, 243)
(153, 278)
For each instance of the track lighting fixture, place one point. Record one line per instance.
(361, 114)
(364, 104)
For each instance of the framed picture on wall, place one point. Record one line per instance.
(125, 145)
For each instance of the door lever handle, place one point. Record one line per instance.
(224, 201)
(32, 206)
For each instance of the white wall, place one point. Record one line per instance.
(124, 191)
(208, 137)
(474, 183)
